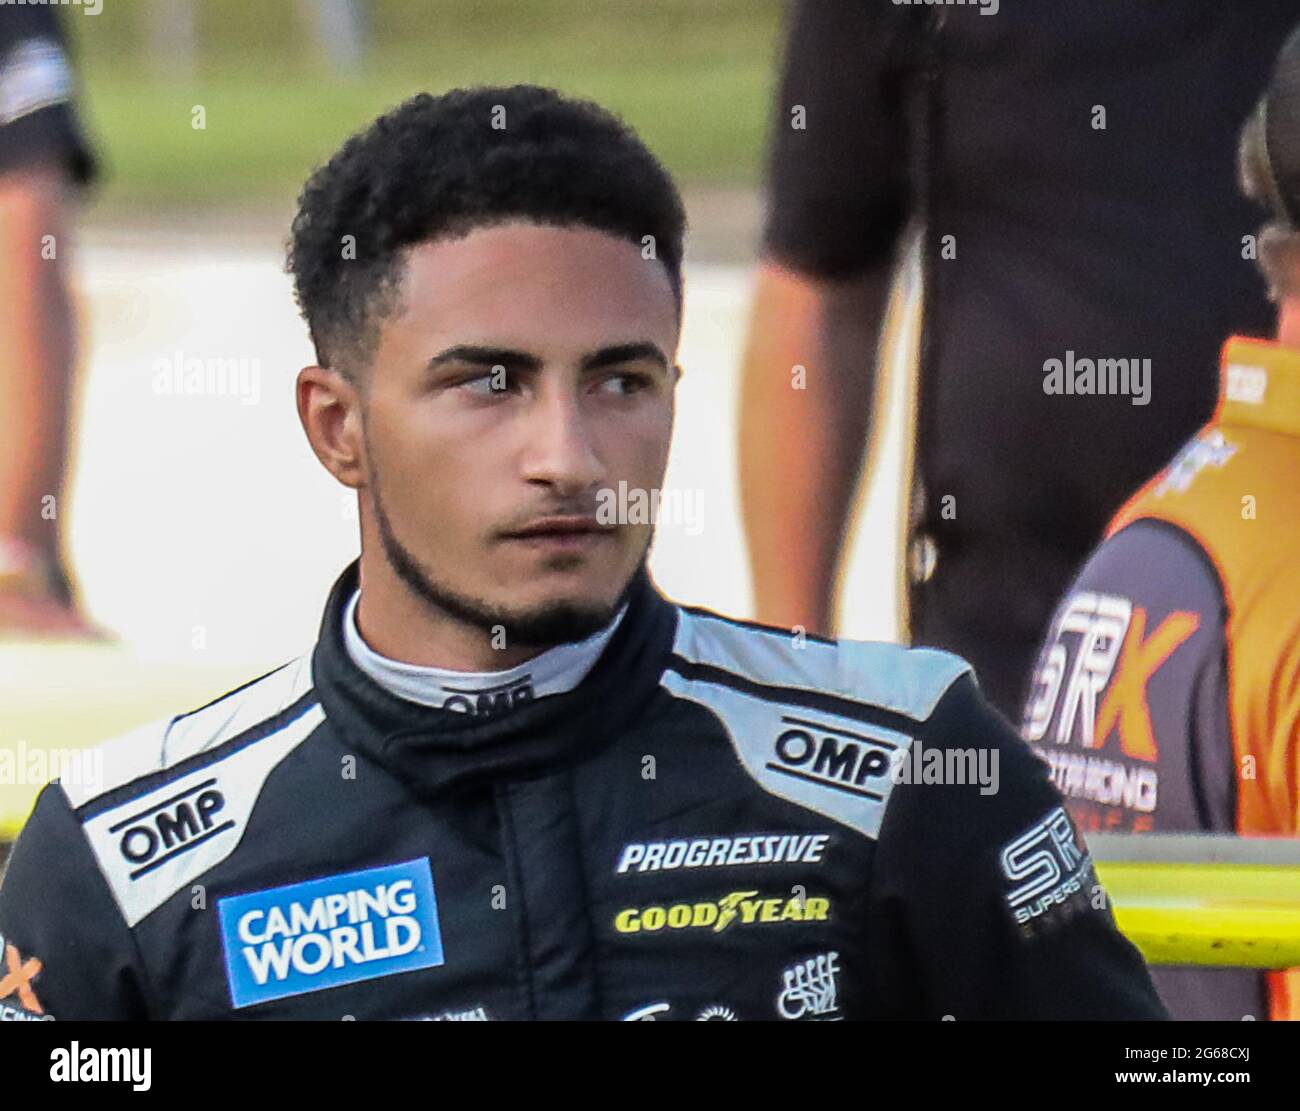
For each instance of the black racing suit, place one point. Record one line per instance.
(715, 823)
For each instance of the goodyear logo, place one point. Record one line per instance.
(338, 930)
(744, 908)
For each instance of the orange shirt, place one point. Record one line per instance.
(1236, 492)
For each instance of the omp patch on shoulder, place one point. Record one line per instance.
(324, 933)
(1049, 877)
(157, 841)
(836, 766)
(817, 723)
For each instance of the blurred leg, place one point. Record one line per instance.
(37, 358)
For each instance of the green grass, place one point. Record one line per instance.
(694, 79)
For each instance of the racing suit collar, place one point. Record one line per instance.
(1260, 385)
(433, 750)
(554, 671)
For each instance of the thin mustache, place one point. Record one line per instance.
(587, 514)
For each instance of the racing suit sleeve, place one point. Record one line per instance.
(990, 886)
(837, 161)
(1132, 687)
(68, 953)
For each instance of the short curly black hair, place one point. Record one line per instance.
(441, 166)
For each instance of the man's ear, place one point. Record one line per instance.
(329, 407)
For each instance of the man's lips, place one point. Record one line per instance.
(562, 530)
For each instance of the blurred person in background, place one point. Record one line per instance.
(1167, 695)
(43, 155)
(1071, 165)
(340, 28)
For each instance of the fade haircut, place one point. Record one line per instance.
(440, 167)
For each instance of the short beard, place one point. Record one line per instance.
(544, 626)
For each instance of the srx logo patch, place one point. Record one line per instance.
(1045, 867)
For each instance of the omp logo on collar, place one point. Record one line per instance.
(176, 825)
(489, 701)
(744, 908)
(323, 933)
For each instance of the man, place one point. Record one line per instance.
(513, 781)
(42, 154)
(1167, 695)
(1070, 164)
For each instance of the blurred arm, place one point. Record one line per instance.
(803, 436)
(839, 197)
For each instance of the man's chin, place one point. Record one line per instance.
(546, 624)
(563, 602)
(566, 597)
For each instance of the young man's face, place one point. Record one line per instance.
(526, 369)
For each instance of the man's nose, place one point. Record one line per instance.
(559, 449)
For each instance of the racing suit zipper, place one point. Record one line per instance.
(555, 945)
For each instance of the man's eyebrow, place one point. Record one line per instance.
(486, 356)
(513, 359)
(625, 353)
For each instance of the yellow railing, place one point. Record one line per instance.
(1205, 900)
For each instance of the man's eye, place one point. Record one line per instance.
(624, 385)
(493, 383)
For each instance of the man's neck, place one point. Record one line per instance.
(554, 671)
(401, 626)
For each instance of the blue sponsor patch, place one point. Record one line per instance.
(337, 930)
